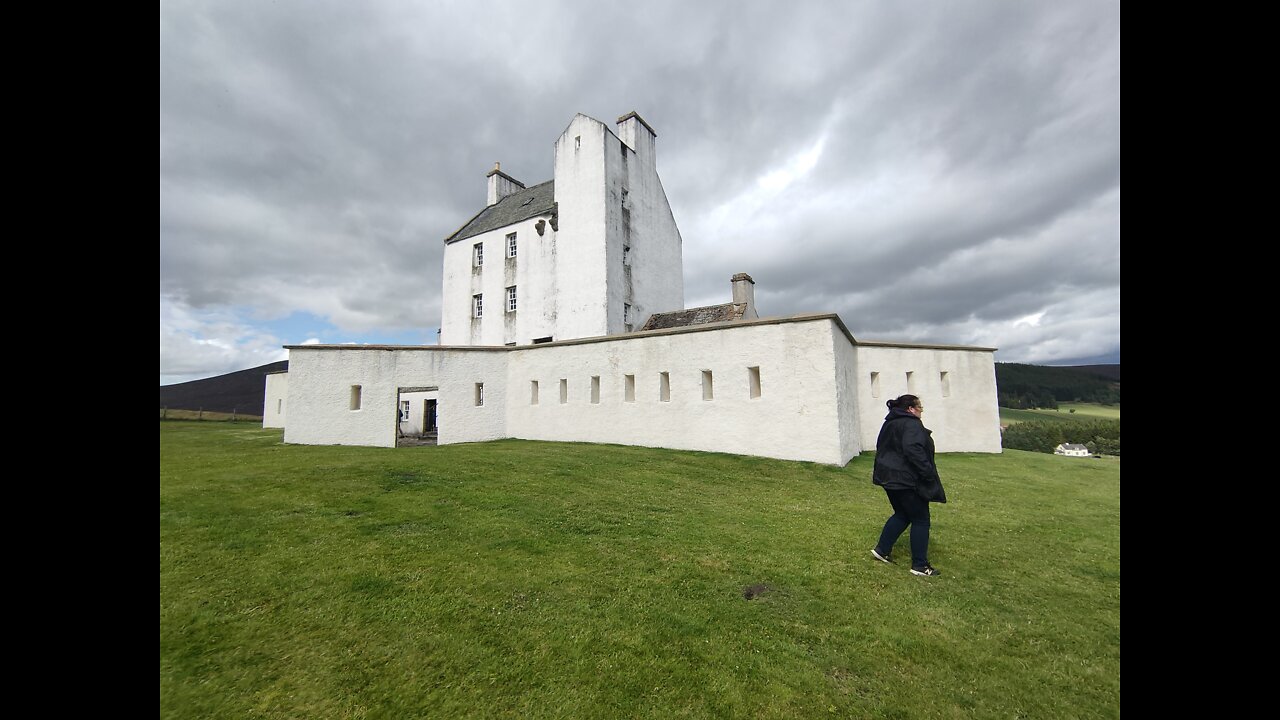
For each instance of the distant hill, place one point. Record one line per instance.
(1041, 386)
(1107, 371)
(242, 391)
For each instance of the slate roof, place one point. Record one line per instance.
(695, 316)
(522, 205)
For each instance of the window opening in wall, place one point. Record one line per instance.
(404, 410)
(626, 254)
(355, 397)
(511, 245)
(753, 381)
(707, 393)
(539, 341)
(477, 254)
(577, 143)
(564, 391)
(477, 306)
(664, 387)
(511, 299)
(626, 313)
(479, 394)
(533, 392)
(595, 389)
(629, 388)
(911, 383)
(875, 384)
(946, 383)
(279, 406)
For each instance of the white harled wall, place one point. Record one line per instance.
(795, 417)
(320, 406)
(531, 272)
(964, 415)
(274, 406)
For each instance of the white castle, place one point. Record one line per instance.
(563, 319)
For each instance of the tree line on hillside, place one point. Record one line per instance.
(1102, 437)
(1036, 386)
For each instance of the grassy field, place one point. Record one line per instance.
(539, 580)
(1083, 411)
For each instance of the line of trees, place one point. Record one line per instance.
(1102, 437)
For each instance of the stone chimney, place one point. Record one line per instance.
(501, 184)
(744, 293)
(636, 133)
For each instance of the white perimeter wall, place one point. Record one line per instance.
(320, 393)
(274, 407)
(964, 417)
(795, 417)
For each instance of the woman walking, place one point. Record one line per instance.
(905, 469)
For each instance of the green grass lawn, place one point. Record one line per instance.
(530, 580)
(1083, 411)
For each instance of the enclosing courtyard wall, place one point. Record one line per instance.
(274, 408)
(791, 388)
(709, 403)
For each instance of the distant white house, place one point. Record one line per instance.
(1071, 450)
(563, 319)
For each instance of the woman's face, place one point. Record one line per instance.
(917, 409)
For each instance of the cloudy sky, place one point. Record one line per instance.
(932, 171)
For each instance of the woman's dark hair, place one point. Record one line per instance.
(903, 402)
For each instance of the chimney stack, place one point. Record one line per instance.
(744, 293)
(636, 133)
(501, 184)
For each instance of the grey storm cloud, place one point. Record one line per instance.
(947, 171)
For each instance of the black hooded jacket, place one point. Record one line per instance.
(904, 457)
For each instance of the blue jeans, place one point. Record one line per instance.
(908, 509)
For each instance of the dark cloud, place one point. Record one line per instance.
(930, 171)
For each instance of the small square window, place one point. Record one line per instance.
(511, 299)
(477, 254)
(477, 306)
(511, 245)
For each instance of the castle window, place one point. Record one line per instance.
(664, 387)
(404, 410)
(577, 143)
(707, 393)
(629, 388)
(477, 254)
(875, 384)
(477, 306)
(479, 394)
(356, 392)
(753, 380)
(911, 382)
(626, 313)
(595, 389)
(626, 254)
(945, 377)
(564, 391)
(511, 245)
(511, 299)
(533, 392)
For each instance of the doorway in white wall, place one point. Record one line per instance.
(417, 416)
